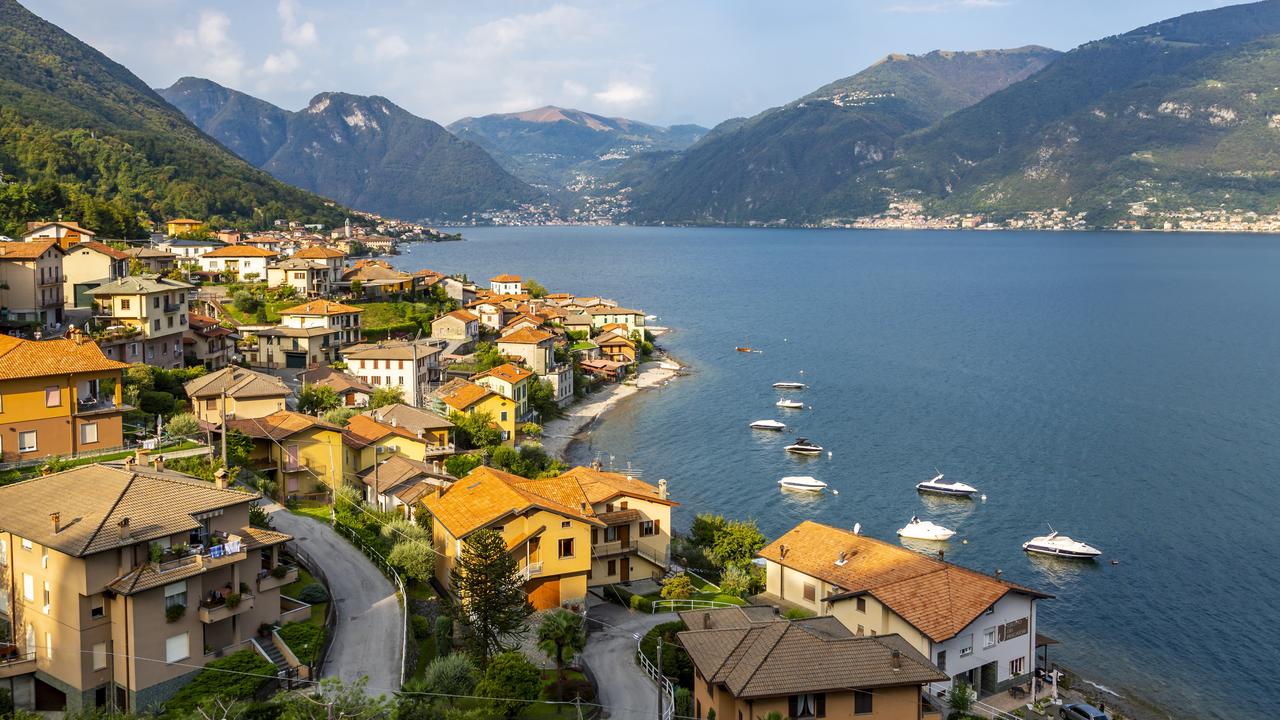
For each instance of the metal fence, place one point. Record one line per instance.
(678, 605)
(331, 612)
(668, 707)
(394, 576)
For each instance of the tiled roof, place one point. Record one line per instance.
(525, 336)
(392, 350)
(463, 395)
(93, 499)
(510, 372)
(505, 279)
(38, 358)
(321, 307)
(148, 252)
(338, 380)
(319, 253)
(463, 315)
(279, 424)
(939, 599)
(295, 263)
(603, 486)
(101, 247)
(233, 251)
(409, 417)
(399, 469)
(184, 221)
(486, 495)
(27, 250)
(238, 382)
(370, 430)
(139, 285)
(737, 617)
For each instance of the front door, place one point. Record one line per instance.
(989, 679)
(624, 568)
(624, 536)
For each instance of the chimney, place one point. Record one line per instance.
(128, 462)
(706, 621)
(220, 479)
(158, 463)
(124, 528)
(662, 489)
(895, 660)
(56, 519)
(141, 456)
(395, 423)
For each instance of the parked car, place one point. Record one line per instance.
(1082, 711)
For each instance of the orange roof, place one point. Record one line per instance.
(319, 253)
(103, 248)
(27, 250)
(465, 395)
(505, 279)
(321, 307)
(603, 486)
(279, 424)
(526, 336)
(367, 430)
(241, 251)
(939, 599)
(183, 221)
(510, 372)
(463, 315)
(486, 495)
(37, 358)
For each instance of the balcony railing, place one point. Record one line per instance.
(15, 662)
(267, 581)
(653, 554)
(212, 611)
(531, 570)
(433, 450)
(91, 404)
(222, 552)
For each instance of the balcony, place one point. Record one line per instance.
(14, 662)
(268, 581)
(174, 307)
(611, 549)
(223, 550)
(212, 611)
(92, 405)
(437, 450)
(532, 570)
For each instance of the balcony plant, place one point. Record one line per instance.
(279, 571)
(233, 600)
(174, 612)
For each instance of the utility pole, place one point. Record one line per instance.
(223, 413)
(660, 678)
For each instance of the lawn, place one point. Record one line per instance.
(382, 314)
(273, 311)
(426, 653)
(315, 511)
(305, 578)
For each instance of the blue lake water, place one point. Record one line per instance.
(1122, 387)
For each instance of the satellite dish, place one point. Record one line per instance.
(857, 528)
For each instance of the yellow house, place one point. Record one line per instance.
(635, 540)
(436, 430)
(181, 226)
(366, 438)
(469, 398)
(549, 538)
(301, 453)
(58, 397)
(248, 394)
(143, 319)
(31, 281)
(510, 381)
(617, 348)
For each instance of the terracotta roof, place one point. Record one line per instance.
(279, 424)
(101, 247)
(27, 250)
(463, 315)
(238, 382)
(939, 599)
(526, 336)
(399, 470)
(338, 380)
(240, 251)
(93, 499)
(486, 495)
(319, 253)
(409, 417)
(505, 279)
(139, 285)
(37, 358)
(510, 372)
(604, 486)
(392, 350)
(464, 395)
(321, 307)
(369, 430)
(294, 263)
(615, 340)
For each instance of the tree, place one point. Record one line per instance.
(735, 581)
(705, 528)
(512, 678)
(487, 357)
(316, 399)
(384, 396)
(542, 399)
(357, 287)
(460, 465)
(677, 587)
(183, 425)
(476, 430)
(534, 288)
(339, 416)
(414, 559)
(961, 697)
(332, 699)
(561, 636)
(450, 675)
(491, 598)
(737, 544)
(239, 446)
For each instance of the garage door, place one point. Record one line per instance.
(295, 360)
(544, 593)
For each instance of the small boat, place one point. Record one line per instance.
(745, 349)
(938, 486)
(789, 386)
(802, 483)
(768, 425)
(919, 529)
(1060, 546)
(803, 446)
(790, 404)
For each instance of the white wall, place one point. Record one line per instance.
(1012, 606)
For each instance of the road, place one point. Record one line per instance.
(367, 640)
(625, 690)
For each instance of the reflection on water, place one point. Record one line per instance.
(1062, 572)
(924, 547)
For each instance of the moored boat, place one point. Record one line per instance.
(789, 386)
(790, 404)
(745, 349)
(802, 483)
(918, 529)
(804, 446)
(1059, 545)
(768, 425)
(939, 486)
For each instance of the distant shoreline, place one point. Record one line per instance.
(913, 228)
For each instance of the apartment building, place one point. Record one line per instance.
(207, 342)
(152, 260)
(325, 314)
(31, 282)
(411, 365)
(143, 319)
(87, 265)
(248, 394)
(246, 262)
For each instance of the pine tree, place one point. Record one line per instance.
(491, 600)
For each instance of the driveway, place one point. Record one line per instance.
(625, 690)
(367, 640)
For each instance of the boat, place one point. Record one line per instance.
(789, 386)
(919, 529)
(1060, 546)
(768, 425)
(803, 446)
(802, 483)
(938, 486)
(790, 404)
(745, 349)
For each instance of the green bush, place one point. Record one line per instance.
(675, 661)
(511, 680)
(313, 593)
(304, 639)
(173, 612)
(640, 603)
(452, 675)
(444, 635)
(234, 677)
(156, 402)
(797, 614)
(677, 587)
(421, 627)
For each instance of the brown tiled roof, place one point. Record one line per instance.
(510, 372)
(240, 251)
(939, 599)
(279, 424)
(505, 278)
(238, 382)
(38, 358)
(101, 247)
(370, 430)
(463, 315)
(485, 495)
(399, 469)
(321, 307)
(409, 417)
(256, 537)
(392, 350)
(525, 336)
(336, 379)
(736, 617)
(93, 499)
(463, 395)
(604, 486)
(27, 250)
(609, 310)
(149, 252)
(318, 253)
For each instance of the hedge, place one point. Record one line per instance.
(234, 677)
(304, 639)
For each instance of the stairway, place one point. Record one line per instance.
(268, 648)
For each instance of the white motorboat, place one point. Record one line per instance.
(1060, 546)
(790, 404)
(804, 446)
(919, 529)
(939, 486)
(802, 483)
(768, 425)
(789, 386)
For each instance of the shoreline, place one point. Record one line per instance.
(559, 435)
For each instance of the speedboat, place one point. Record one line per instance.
(938, 486)
(744, 349)
(803, 446)
(802, 483)
(768, 425)
(790, 404)
(919, 529)
(1060, 546)
(789, 386)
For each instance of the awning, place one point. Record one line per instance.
(620, 517)
(1045, 640)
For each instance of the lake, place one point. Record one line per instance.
(1121, 387)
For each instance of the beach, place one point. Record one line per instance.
(560, 433)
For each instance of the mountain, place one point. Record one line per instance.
(84, 138)
(366, 152)
(1183, 112)
(550, 146)
(803, 161)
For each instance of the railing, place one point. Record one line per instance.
(669, 707)
(94, 404)
(391, 573)
(440, 449)
(533, 569)
(648, 552)
(690, 604)
(616, 547)
(270, 582)
(212, 612)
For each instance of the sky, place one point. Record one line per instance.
(660, 61)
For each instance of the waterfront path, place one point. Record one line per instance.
(366, 641)
(625, 691)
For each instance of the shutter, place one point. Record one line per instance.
(821, 704)
(657, 527)
(793, 703)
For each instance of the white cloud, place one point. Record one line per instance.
(281, 63)
(211, 38)
(390, 47)
(298, 34)
(622, 95)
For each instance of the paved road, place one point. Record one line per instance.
(367, 640)
(625, 691)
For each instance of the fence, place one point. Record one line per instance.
(678, 605)
(391, 573)
(331, 612)
(939, 694)
(668, 707)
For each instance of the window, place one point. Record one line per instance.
(966, 645)
(810, 594)
(211, 404)
(565, 524)
(1015, 667)
(861, 631)
(26, 544)
(88, 433)
(566, 547)
(942, 660)
(809, 705)
(862, 605)
(861, 702)
(613, 568)
(48, 645)
(504, 416)
(44, 557)
(155, 302)
(177, 648)
(648, 528)
(175, 594)
(28, 588)
(48, 597)
(27, 441)
(124, 303)
(52, 396)
(97, 607)
(611, 535)
(989, 638)
(100, 656)
(155, 324)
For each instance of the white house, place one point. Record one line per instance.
(507, 284)
(248, 261)
(411, 365)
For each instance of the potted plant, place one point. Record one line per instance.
(244, 587)
(279, 571)
(233, 600)
(173, 612)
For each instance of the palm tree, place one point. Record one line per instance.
(561, 636)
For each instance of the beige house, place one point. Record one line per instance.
(246, 262)
(31, 281)
(248, 394)
(88, 265)
(411, 365)
(152, 260)
(123, 580)
(308, 277)
(535, 347)
(279, 347)
(66, 233)
(143, 318)
(636, 538)
(325, 314)
(460, 325)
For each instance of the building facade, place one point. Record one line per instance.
(142, 319)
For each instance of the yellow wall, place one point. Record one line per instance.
(320, 457)
(658, 545)
(242, 409)
(495, 405)
(516, 392)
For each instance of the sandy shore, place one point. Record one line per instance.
(559, 433)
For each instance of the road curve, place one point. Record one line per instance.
(625, 691)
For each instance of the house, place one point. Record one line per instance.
(438, 431)
(302, 454)
(277, 347)
(469, 398)
(604, 369)
(411, 365)
(308, 277)
(974, 627)
(143, 318)
(31, 282)
(58, 398)
(750, 663)
(352, 390)
(379, 244)
(207, 343)
(126, 579)
(366, 439)
(248, 394)
(618, 348)
(325, 314)
(602, 315)
(374, 279)
(578, 323)
(153, 261)
(506, 285)
(636, 538)
(460, 290)
(399, 483)
(245, 262)
(511, 382)
(330, 259)
(188, 250)
(535, 347)
(88, 265)
(520, 321)
(66, 233)
(492, 315)
(181, 226)
(460, 326)
(424, 280)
